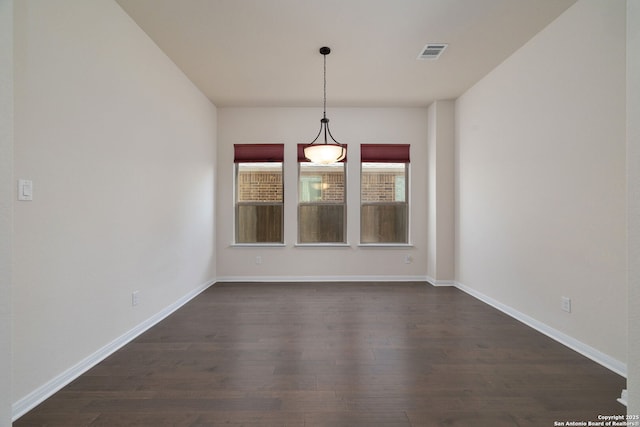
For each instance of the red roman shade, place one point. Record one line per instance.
(384, 153)
(302, 158)
(248, 153)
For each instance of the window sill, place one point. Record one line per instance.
(257, 245)
(385, 245)
(322, 245)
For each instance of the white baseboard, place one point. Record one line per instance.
(597, 356)
(624, 397)
(435, 282)
(30, 401)
(270, 279)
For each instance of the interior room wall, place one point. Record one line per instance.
(633, 196)
(120, 147)
(540, 161)
(291, 126)
(6, 208)
(441, 209)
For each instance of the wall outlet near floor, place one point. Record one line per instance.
(408, 259)
(135, 298)
(258, 260)
(566, 304)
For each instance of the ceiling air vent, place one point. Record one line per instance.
(432, 51)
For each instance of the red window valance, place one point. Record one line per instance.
(248, 153)
(384, 153)
(302, 158)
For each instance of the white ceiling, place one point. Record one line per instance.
(265, 52)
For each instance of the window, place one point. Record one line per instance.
(321, 201)
(259, 193)
(384, 190)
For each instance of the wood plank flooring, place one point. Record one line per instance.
(336, 354)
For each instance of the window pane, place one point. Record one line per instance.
(321, 208)
(384, 209)
(321, 223)
(383, 223)
(383, 182)
(321, 183)
(259, 182)
(259, 223)
(259, 203)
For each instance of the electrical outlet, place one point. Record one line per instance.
(408, 259)
(566, 304)
(135, 298)
(258, 260)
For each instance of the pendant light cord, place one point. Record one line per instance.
(324, 111)
(325, 152)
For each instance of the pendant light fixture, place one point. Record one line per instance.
(325, 151)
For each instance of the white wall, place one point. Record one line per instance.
(541, 179)
(121, 149)
(633, 194)
(299, 125)
(6, 211)
(441, 209)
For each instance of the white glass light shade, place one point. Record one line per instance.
(325, 154)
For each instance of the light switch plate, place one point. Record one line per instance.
(25, 189)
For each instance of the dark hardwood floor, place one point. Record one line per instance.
(336, 354)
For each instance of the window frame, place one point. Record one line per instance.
(300, 204)
(387, 153)
(260, 154)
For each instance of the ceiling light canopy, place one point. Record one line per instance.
(327, 150)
